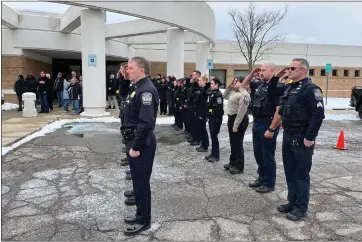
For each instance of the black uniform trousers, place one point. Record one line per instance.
(214, 127)
(297, 160)
(201, 132)
(178, 117)
(141, 169)
(236, 141)
(192, 124)
(185, 119)
(163, 107)
(264, 151)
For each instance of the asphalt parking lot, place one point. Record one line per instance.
(69, 186)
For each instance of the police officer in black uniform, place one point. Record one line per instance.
(200, 114)
(302, 113)
(192, 92)
(140, 113)
(124, 87)
(266, 124)
(179, 99)
(215, 112)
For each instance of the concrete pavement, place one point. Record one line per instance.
(68, 187)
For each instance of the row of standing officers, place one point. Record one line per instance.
(297, 104)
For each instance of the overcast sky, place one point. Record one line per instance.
(308, 22)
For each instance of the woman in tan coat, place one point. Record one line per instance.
(238, 102)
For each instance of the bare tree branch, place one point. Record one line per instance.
(251, 30)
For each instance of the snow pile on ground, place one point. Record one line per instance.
(57, 125)
(342, 117)
(9, 106)
(337, 103)
(171, 120)
(91, 115)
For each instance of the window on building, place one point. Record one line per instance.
(239, 73)
(311, 72)
(334, 72)
(346, 73)
(221, 74)
(323, 72)
(357, 73)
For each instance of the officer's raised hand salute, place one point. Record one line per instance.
(302, 112)
(140, 114)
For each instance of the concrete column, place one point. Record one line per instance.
(93, 43)
(202, 54)
(175, 52)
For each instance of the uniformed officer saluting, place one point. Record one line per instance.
(302, 113)
(215, 111)
(140, 113)
(266, 124)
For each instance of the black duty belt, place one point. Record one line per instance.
(261, 120)
(295, 130)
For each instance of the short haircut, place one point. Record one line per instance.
(216, 81)
(240, 79)
(142, 63)
(303, 62)
(124, 64)
(198, 72)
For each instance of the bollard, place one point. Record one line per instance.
(29, 109)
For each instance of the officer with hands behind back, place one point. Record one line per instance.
(140, 113)
(302, 113)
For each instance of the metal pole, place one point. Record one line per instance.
(327, 89)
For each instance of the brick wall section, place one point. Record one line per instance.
(338, 86)
(12, 66)
(11, 98)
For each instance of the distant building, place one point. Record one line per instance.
(33, 41)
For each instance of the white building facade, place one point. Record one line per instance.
(33, 41)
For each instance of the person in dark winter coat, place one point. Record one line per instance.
(112, 87)
(50, 91)
(19, 89)
(31, 85)
(43, 89)
(170, 95)
(162, 89)
(75, 94)
(58, 88)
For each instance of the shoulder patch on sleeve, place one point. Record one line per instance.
(146, 98)
(219, 100)
(318, 94)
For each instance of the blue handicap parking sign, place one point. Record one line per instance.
(210, 64)
(92, 60)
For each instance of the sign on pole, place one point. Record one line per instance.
(92, 60)
(210, 64)
(328, 70)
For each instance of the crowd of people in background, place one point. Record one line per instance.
(67, 90)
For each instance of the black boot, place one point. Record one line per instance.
(257, 183)
(131, 201)
(129, 194)
(235, 170)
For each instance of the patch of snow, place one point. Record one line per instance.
(337, 103)
(338, 117)
(171, 120)
(9, 106)
(92, 115)
(49, 128)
